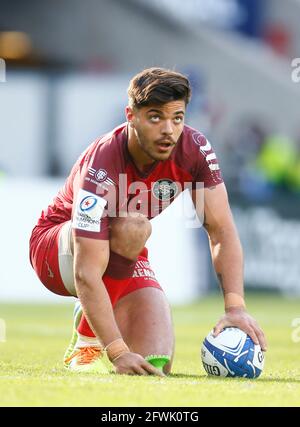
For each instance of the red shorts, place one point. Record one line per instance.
(52, 260)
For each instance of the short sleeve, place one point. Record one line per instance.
(95, 191)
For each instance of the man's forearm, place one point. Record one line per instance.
(97, 308)
(227, 258)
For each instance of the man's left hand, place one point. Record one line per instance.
(239, 318)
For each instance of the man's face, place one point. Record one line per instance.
(157, 128)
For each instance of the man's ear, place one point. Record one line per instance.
(129, 116)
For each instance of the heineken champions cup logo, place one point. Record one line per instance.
(164, 189)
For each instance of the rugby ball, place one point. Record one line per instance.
(232, 354)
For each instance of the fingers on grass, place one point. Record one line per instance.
(152, 370)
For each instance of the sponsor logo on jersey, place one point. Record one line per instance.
(88, 211)
(100, 175)
(143, 269)
(88, 203)
(164, 189)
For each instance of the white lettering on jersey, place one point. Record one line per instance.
(204, 149)
(88, 211)
(214, 166)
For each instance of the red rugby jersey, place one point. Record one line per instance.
(104, 182)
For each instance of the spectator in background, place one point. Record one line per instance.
(275, 161)
(264, 164)
(240, 153)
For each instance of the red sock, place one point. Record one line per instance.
(84, 328)
(118, 270)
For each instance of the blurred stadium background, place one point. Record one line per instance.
(68, 64)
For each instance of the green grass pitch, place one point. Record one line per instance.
(31, 371)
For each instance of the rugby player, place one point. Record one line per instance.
(90, 243)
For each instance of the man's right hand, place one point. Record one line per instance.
(134, 364)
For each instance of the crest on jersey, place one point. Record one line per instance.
(101, 175)
(164, 189)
